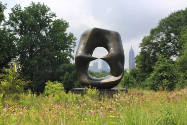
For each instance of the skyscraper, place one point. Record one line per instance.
(98, 66)
(94, 66)
(131, 58)
(105, 66)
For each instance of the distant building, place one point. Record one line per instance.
(94, 67)
(98, 66)
(104, 66)
(131, 58)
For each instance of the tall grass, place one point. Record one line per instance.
(137, 107)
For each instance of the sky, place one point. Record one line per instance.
(133, 19)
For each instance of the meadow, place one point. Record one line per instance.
(137, 107)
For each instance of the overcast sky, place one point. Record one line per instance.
(133, 19)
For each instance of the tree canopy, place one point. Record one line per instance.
(7, 42)
(43, 43)
(164, 40)
(164, 76)
(2, 8)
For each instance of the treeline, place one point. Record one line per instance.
(162, 61)
(39, 48)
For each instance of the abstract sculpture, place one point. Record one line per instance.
(111, 41)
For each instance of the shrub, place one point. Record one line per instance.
(11, 82)
(53, 88)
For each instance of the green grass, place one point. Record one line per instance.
(137, 107)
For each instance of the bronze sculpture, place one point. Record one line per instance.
(111, 41)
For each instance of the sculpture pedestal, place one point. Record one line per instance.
(102, 92)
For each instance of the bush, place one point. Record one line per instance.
(11, 82)
(164, 76)
(53, 88)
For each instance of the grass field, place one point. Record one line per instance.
(137, 107)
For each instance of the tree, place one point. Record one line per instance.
(2, 8)
(128, 80)
(162, 40)
(98, 74)
(42, 41)
(67, 74)
(7, 46)
(182, 61)
(164, 76)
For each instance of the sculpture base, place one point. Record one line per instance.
(102, 92)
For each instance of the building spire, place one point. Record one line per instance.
(131, 58)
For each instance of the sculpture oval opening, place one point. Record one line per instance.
(99, 52)
(98, 68)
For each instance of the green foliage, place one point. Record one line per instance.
(53, 88)
(7, 42)
(7, 48)
(67, 75)
(128, 80)
(164, 76)
(2, 8)
(99, 74)
(57, 91)
(182, 61)
(143, 65)
(165, 40)
(91, 93)
(11, 82)
(168, 116)
(42, 41)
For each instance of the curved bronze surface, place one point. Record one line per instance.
(111, 41)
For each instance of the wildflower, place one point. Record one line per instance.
(114, 108)
(111, 116)
(100, 113)
(92, 112)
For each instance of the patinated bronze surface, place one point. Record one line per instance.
(111, 41)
